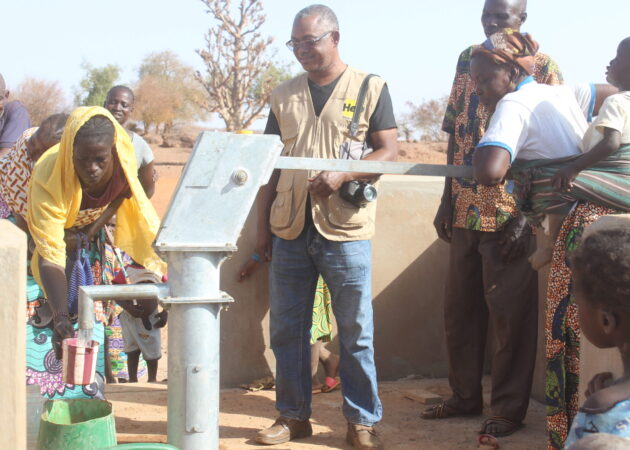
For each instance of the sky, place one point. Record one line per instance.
(413, 45)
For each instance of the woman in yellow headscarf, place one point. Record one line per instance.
(75, 187)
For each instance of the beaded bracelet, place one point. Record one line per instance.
(256, 257)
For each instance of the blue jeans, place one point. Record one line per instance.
(346, 268)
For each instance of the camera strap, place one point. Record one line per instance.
(354, 124)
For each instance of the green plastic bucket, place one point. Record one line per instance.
(76, 424)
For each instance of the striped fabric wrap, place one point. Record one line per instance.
(78, 271)
(606, 183)
(79, 363)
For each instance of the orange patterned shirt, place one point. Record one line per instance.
(477, 207)
(15, 171)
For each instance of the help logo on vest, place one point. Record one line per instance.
(349, 106)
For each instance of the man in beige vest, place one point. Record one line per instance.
(309, 229)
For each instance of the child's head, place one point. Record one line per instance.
(618, 72)
(140, 275)
(601, 283)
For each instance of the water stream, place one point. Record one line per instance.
(84, 338)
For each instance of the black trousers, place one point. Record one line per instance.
(482, 290)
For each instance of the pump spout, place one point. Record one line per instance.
(88, 294)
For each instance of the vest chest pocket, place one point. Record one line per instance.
(289, 138)
(283, 204)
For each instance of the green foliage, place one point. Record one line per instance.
(167, 92)
(95, 84)
(268, 80)
(165, 65)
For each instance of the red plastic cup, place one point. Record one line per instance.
(79, 363)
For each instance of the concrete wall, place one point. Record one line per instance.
(408, 288)
(408, 284)
(12, 336)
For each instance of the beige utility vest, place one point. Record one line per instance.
(306, 135)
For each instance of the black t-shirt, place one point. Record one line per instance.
(381, 119)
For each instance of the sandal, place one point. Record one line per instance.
(509, 426)
(444, 411)
(260, 385)
(487, 441)
(330, 384)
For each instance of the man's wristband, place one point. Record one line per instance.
(256, 257)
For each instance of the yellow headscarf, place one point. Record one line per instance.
(55, 198)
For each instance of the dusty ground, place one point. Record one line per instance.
(141, 417)
(140, 409)
(421, 152)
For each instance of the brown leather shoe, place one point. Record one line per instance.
(284, 430)
(363, 437)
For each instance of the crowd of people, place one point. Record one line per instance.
(549, 161)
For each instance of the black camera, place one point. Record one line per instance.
(359, 193)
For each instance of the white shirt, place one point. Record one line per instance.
(538, 121)
(144, 154)
(615, 114)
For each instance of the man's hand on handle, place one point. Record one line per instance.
(325, 183)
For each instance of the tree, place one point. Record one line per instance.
(240, 74)
(404, 127)
(41, 98)
(427, 117)
(95, 84)
(268, 80)
(167, 91)
(154, 104)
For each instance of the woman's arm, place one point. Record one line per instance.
(104, 218)
(146, 174)
(490, 165)
(53, 278)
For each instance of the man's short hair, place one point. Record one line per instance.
(122, 88)
(325, 14)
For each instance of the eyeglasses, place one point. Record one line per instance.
(308, 43)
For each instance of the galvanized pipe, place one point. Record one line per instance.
(376, 167)
(88, 294)
(194, 355)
